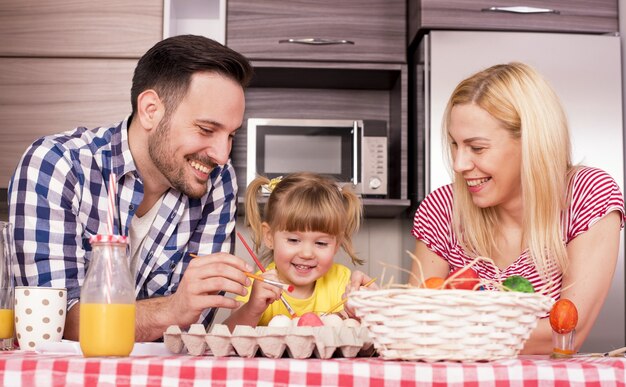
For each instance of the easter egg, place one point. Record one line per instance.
(350, 322)
(280, 320)
(563, 316)
(517, 283)
(310, 319)
(433, 283)
(464, 279)
(332, 320)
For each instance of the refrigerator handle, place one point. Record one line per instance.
(521, 9)
(356, 138)
(427, 127)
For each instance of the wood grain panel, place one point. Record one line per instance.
(589, 16)
(75, 28)
(46, 96)
(377, 27)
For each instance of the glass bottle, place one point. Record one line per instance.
(107, 300)
(7, 322)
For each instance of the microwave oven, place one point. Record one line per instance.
(351, 151)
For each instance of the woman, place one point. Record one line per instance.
(517, 199)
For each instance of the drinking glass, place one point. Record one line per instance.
(7, 321)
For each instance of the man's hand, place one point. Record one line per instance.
(203, 279)
(198, 290)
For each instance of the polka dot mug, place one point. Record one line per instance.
(39, 315)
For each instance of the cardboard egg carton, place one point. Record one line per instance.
(273, 342)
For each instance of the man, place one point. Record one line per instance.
(177, 192)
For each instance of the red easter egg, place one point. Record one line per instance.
(310, 319)
(466, 279)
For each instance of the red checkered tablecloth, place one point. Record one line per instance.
(19, 368)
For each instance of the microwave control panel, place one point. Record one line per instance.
(374, 165)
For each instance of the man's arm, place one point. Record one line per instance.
(199, 289)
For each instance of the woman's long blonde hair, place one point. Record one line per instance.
(304, 201)
(527, 107)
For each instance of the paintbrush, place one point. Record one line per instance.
(281, 285)
(337, 305)
(260, 265)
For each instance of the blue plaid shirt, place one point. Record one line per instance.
(58, 199)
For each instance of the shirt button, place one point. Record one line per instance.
(131, 207)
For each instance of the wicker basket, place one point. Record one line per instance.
(458, 325)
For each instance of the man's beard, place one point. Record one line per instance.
(162, 158)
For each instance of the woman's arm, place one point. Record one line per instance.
(592, 260)
(430, 265)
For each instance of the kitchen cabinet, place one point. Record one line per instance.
(42, 96)
(79, 28)
(580, 16)
(318, 30)
(67, 63)
(364, 80)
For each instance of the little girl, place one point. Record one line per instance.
(306, 219)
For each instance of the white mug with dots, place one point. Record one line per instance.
(39, 315)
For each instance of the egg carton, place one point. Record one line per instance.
(273, 342)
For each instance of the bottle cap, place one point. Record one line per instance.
(100, 238)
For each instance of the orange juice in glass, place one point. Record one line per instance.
(6, 323)
(107, 300)
(107, 329)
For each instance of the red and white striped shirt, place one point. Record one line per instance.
(594, 194)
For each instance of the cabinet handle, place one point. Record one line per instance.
(521, 9)
(316, 41)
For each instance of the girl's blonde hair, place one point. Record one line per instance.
(527, 107)
(305, 201)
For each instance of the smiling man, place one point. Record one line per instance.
(177, 190)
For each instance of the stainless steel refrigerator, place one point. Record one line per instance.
(585, 71)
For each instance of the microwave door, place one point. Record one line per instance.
(356, 139)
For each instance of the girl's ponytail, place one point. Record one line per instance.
(354, 213)
(253, 212)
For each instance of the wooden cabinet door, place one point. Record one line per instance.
(47, 96)
(351, 30)
(79, 28)
(589, 16)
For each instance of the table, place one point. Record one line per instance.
(20, 368)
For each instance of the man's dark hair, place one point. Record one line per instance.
(168, 66)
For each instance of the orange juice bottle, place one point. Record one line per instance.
(107, 300)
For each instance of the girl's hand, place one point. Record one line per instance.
(357, 280)
(263, 294)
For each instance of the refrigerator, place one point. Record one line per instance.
(585, 71)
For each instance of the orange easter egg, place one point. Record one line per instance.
(563, 316)
(433, 283)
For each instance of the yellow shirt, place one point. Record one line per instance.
(328, 291)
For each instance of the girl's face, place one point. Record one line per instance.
(486, 156)
(301, 257)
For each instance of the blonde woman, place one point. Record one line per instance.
(306, 220)
(517, 198)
